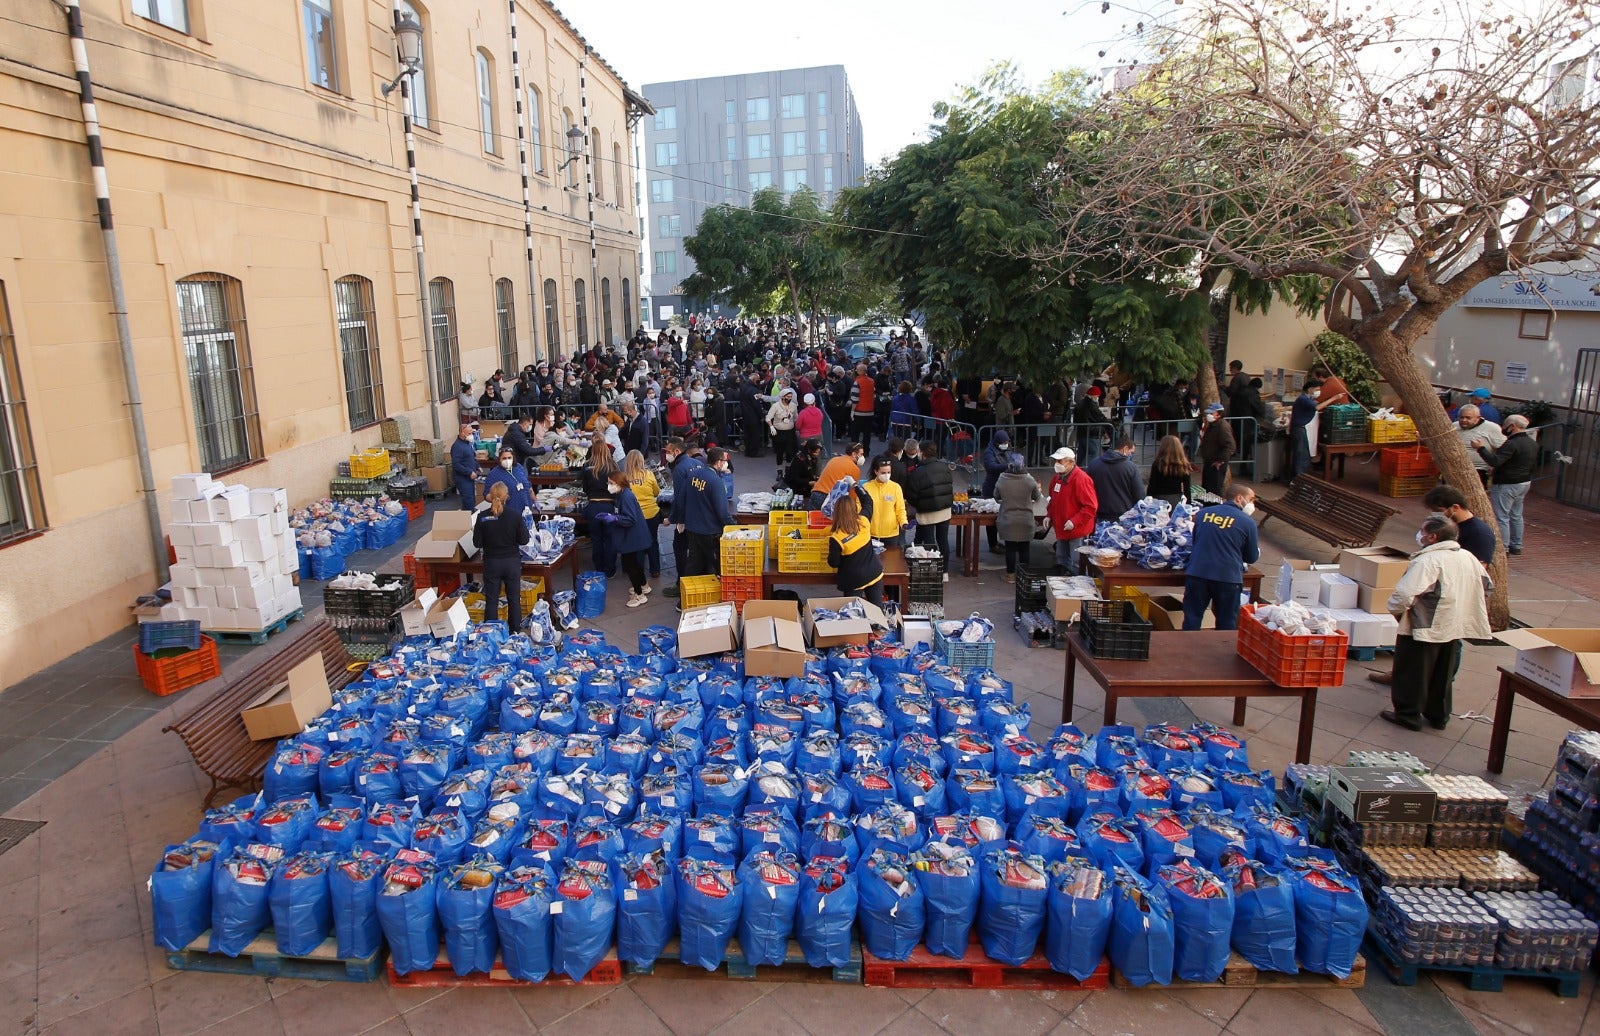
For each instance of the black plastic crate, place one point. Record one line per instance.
(929, 570)
(1033, 582)
(407, 490)
(375, 604)
(1030, 602)
(1114, 629)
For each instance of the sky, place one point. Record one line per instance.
(900, 57)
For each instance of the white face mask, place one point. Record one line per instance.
(1061, 468)
(1314, 393)
(1249, 508)
(1211, 417)
(883, 476)
(506, 462)
(1420, 541)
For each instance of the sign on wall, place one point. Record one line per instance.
(1537, 291)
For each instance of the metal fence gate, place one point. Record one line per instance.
(1579, 481)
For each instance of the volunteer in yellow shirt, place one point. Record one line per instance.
(644, 485)
(888, 519)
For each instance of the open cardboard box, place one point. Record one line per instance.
(414, 616)
(1566, 661)
(450, 539)
(833, 632)
(709, 630)
(1166, 613)
(285, 708)
(774, 641)
(1377, 567)
(447, 617)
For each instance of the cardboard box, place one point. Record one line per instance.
(1364, 628)
(833, 632)
(414, 616)
(1301, 581)
(234, 502)
(1166, 613)
(179, 510)
(1337, 591)
(269, 501)
(1566, 661)
(450, 538)
(1065, 609)
(190, 487)
(774, 641)
(709, 630)
(183, 575)
(448, 617)
(438, 478)
(916, 630)
(1374, 599)
(1374, 793)
(1377, 567)
(209, 534)
(286, 708)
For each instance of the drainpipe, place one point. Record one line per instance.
(119, 298)
(527, 197)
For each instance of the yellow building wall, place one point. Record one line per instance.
(223, 159)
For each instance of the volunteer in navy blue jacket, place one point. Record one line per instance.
(519, 497)
(464, 467)
(500, 534)
(630, 536)
(699, 513)
(1224, 543)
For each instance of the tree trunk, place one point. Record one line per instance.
(1205, 382)
(1435, 430)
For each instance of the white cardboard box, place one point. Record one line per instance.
(269, 501)
(278, 523)
(915, 630)
(183, 552)
(259, 550)
(181, 534)
(184, 574)
(1301, 581)
(211, 534)
(1338, 591)
(191, 486)
(179, 510)
(227, 555)
(252, 526)
(448, 617)
(1566, 661)
(414, 616)
(232, 503)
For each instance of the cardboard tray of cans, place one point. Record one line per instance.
(1466, 800)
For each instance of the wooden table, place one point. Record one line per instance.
(1327, 453)
(1199, 664)
(896, 576)
(965, 526)
(1585, 712)
(568, 558)
(1133, 575)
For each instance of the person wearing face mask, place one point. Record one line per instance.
(888, 503)
(860, 573)
(930, 490)
(1303, 427)
(1017, 492)
(500, 532)
(629, 531)
(781, 417)
(847, 463)
(1071, 509)
(721, 461)
(464, 467)
(519, 498)
(1216, 449)
(1470, 427)
(519, 439)
(1441, 600)
(1225, 542)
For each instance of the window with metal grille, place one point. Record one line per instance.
(442, 310)
(552, 318)
(321, 51)
(595, 153)
(605, 309)
(627, 305)
(580, 313)
(358, 348)
(505, 313)
(222, 386)
(21, 505)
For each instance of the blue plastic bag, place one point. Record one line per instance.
(301, 904)
(708, 911)
(948, 877)
(1164, 836)
(892, 910)
(591, 602)
(1330, 917)
(1011, 914)
(1050, 837)
(585, 916)
(410, 920)
(1202, 920)
(1141, 942)
(1111, 841)
(1263, 916)
(825, 918)
(239, 888)
(287, 822)
(647, 911)
(975, 791)
(442, 834)
(1078, 921)
(770, 889)
(353, 884)
(1089, 789)
(180, 891)
(339, 828)
(465, 900)
(522, 922)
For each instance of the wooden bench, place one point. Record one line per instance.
(1331, 514)
(214, 733)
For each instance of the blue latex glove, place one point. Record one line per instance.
(607, 517)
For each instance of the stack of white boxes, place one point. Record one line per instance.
(236, 555)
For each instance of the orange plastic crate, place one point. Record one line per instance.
(739, 589)
(174, 669)
(1292, 661)
(409, 564)
(415, 509)
(1406, 462)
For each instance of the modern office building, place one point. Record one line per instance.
(718, 141)
(260, 192)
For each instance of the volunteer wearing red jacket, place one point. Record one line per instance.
(1071, 509)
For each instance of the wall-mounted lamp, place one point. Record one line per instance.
(574, 147)
(408, 43)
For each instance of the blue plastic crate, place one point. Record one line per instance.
(154, 636)
(963, 656)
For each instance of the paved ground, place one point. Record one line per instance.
(82, 749)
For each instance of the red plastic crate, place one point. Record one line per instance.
(1292, 661)
(739, 589)
(415, 509)
(818, 520)
(1406, 462)
(409, 564)
(174, 669)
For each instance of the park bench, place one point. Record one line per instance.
(1331, 514)
(215, 734)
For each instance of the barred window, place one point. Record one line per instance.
(580, 313)
(21, 504)
(627, 306)
(505, 320)
(552, 318)
(605, 309)
(442, 310)
(221, 383)
(358, 348)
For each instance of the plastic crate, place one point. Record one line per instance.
(153, 636)
(1398, 429)
(743, 554)
(962, 655)
(926, 570)
(1139, 599)
(1406, 485)
(415, 509)
(1115, 629)
(818, 520)
(1026, 602)
(408, 562)
(808, 553)
(1407, 462)
(698, 591)
(1033, 581)
(1315, 661)
(372, 463)
(778, 522)
(531, 589)
(408, 490)
(174, 669)
(739, 589)
(370, 603)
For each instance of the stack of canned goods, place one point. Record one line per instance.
(1306, 782)
(1466, 800)
(1580, 758)
(1540, 931)
(1436, 926)
(1388, 760)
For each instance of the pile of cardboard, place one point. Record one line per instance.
(773, 634)
(236, 555)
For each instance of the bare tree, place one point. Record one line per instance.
(1385, 164)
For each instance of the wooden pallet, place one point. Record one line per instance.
(1483, 978)
(925, 970)
(257, 636)
(1240, 973)
(261, 957)
(794, 968)
(607, 973)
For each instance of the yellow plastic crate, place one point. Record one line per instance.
(372, 463)
(777, 523)
(1140, 599)
(532, 589)
(1399, 429)
(807, 553)
(699, 591)
(1406, 485)
(742, 553)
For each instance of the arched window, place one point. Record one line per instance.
(605, 310)
(536, 128)
(222, 385)
(594, 162)
(419, 78)
(619, 175)
(358, 350)
(552, 319)
(486, 106)
(505, 322)
(580, 313)
(627, 307)
(21, 502)
(442, 311)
